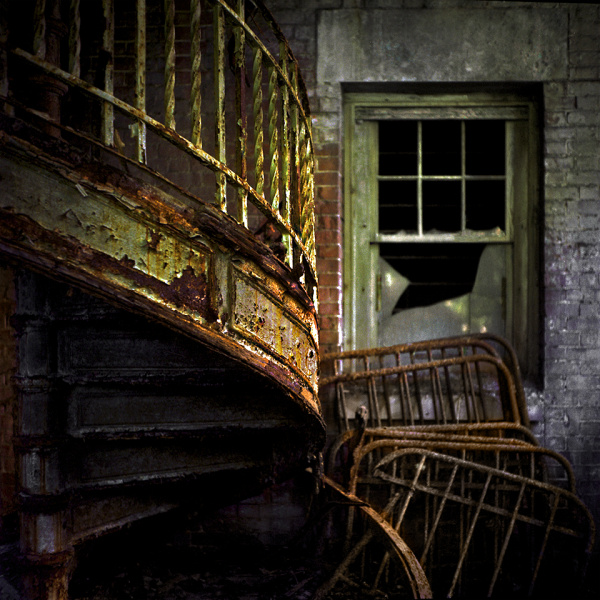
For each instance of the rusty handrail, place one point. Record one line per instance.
(284, 138)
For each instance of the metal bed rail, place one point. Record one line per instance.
(334, 365)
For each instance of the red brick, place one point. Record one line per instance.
(327, 150)
(328, 164)
(328, 208)
(329, 294)
(329, 322)
(332, 236)
(329, 265)
(329, 279)
(327, 178)
(328, 193)
(328, 222)
(329, 341)
(329, 251)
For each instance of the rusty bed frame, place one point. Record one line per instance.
(442, 451)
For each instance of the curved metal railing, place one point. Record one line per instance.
(233, 100)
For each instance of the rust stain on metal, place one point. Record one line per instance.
(89, 210)
(191, 290)
(405, 557)
(426, 457)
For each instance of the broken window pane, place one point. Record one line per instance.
(434, 272)
(478, 307)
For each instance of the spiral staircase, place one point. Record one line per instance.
(157, 212)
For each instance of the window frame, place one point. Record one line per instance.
(362, 113)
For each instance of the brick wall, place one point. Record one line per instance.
(563, 56)
(7, 396)
(572, 256)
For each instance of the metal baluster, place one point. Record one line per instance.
(304, 175)
(108, 46)
(241, 138)
(39, 31)
(4, 58)
(219, 85)
(273, 144)
(467, 541)
(307, 191)
(510, 528)
(310, 242)
(196, 94)
(285, 152)
(295, 197)
(170, 64)
(140, 78)
(74, 38)
(257, 97)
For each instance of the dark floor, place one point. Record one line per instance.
(239, 569)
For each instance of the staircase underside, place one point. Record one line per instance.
(166, 356)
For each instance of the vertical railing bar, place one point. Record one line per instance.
(39, 29)
(140, 78)
(467, 540)
(75, 38)
(477, 410)
(549, 528)
(305, 151)
(295, 199)
(341, 395)
(418, 395)
(480, 383)
(169, 64)
(308, 190)
(404, 408)
(448, 381)
(437, 406)
(219, 85)
(4, 106)
(409, 495)
(436, 520)
(310, 241)
(387, 511)
(409, 404)
(388, 400)
(465, 382)
(440, 392)
(196, 94)
(108, 46)
(508, 534)
(285, 152)
(257, 101)
(241, 138)
(373, 400)
(272, 118)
